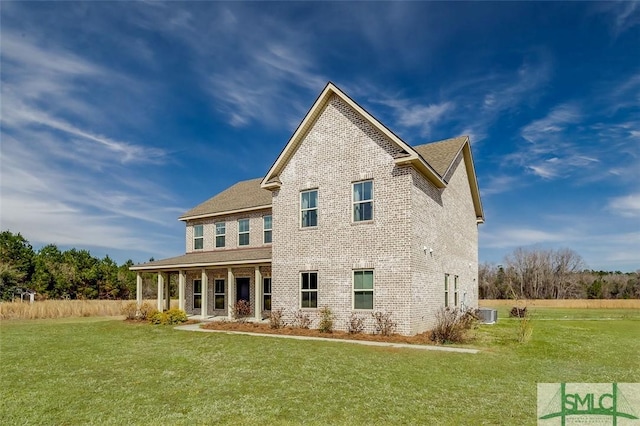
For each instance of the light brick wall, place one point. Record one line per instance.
(256, 228)
(340, 149)
(445, 222)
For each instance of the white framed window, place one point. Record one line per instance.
(197, 294)
(198, 237)
(363, 289)
(308, 289)
(268, 228)
(363, 201)
(309, 208)
(243, 232)
(446, 290)
(221, 231)
(266, 293)
(455, 291)
(218, 294)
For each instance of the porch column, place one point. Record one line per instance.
(232, 292)
(205, 293)
(160, 290)
(167, 292)
(182, 279)
(139, 288)
(257, 309)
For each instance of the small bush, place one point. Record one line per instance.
(518, 312)
(301, 320)
(171, 317)
(130, 310)
(145, 311)
(355, 324)
(452, 325)
(275, 319)
(383, 323)
(326, 320)
(525, 328)
(241, 309)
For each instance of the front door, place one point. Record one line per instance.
(243, 289)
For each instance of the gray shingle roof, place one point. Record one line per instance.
(209, 258)
(441, 154)
(243, 195)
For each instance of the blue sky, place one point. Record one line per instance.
(119, 116)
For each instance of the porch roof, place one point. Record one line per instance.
(201, 259)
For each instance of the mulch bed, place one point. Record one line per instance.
(251, 327)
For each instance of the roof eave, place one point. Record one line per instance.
(473, 181)
(424, 168)
(175, 266)
(223, 213)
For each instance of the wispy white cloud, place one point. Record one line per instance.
(624, 15)
(627, 205)
(409, 114)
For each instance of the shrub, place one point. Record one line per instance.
(145, 311)
(525, 328)
(518, 312)
(241, 309)
(452, 325)
(275, 319)
(383, 323)
(326, 320)
(129, 310)
(355, 324)
(171, 317)
(301, 320)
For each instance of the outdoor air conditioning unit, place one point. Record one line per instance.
(488, 316)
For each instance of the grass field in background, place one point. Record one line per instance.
(65, 308)
(96, 371)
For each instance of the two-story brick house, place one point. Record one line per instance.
(349, 217)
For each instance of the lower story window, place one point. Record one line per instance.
(266, 294)
(446, 290)
(362, 289)
(309, 290)
(218, 294)
(197, 294)
(455, 291)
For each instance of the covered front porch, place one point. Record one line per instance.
(210, 284)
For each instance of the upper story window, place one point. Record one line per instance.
(446, 290)
(455, 291)
(363, 201)
(243, 232)
(220, 233)
(309, 208)
(267, 228)
(198, 237)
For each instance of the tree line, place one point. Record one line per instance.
(553, 274)
(76, 274)
(56, 274)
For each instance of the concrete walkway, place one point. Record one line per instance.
(196, 327)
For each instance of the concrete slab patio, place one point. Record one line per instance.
(196, 327)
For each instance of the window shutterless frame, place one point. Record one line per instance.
(362, 199)
(221, 230)
(218, 294)
(267, 228)
(363, 289)
(198, 237)
(455, 291)
(309, 208)
(266, 293)
(446, 290)
(243, 232)
(197, 294)
(308, 290)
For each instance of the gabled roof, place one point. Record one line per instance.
(432, 160)
(271, 180)
(243, 196)
(209, 258)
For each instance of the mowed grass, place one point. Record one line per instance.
(93, 371)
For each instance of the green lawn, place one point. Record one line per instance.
(91, 371)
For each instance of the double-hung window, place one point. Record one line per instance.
(266, 294)
(197, 294)
(243, 232)
(455, 291)
(362, 289)
(446, 290)
(198, 237)
(309, 208)
(363, 201)
(309, 290)
(267, 220)
(218, 294)
(221, 230)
